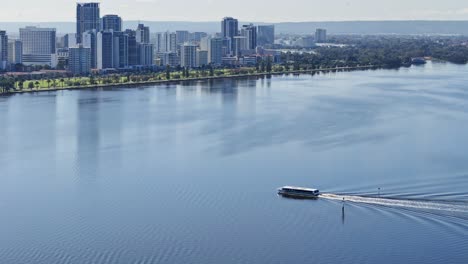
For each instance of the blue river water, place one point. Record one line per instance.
(187, 173)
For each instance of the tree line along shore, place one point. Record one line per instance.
(116, 80)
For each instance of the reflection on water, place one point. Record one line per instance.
(187, 173)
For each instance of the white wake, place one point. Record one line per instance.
(417, 204)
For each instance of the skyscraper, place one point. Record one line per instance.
(87, 18)
(230, 29)
(250, 33)
(320, 35)
(15, 51)
(111, 22)
(215, 51)
(182, 36)
(266, 35)
(133, 53)
(105, 50)
(169, 43)
(38, 46)
(188, 55)
(69, 40)
(202, 58)
(240, 44)
(120, 47)
(89, 40)
(142, 34)
(158, 42)
(145, 52)
(3, 50)
(79, 60)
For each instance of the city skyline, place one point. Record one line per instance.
(302, 10)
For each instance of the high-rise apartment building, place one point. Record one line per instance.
(79, 60)
(188, 55)
(240, 45)
(182, 36)
(15, 51)
(197, 36)
(202, 58)
(215, 51)
(89, 40)
(169, 42)
(3, 50)
(105, 50)
(87, 18)
(70, 40)
(320, 35)
(266, 35)
(38, 46)
(145, 52)
(111, 22)
(169, 59)
(142, 34)
(250, 33)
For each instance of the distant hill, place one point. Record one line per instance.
(342, 27)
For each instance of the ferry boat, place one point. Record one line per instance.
(299, 192)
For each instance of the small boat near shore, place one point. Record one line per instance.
(298, 192)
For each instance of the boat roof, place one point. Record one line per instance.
(300, 188)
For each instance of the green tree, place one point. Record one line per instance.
(269, 64)
(211, 71)
(262, 66)
(168, 72)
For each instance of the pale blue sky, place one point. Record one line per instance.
(245, 10)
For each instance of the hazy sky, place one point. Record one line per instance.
(245, 10)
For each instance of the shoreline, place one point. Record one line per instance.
(176, 81)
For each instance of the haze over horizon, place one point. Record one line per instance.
(244, 10)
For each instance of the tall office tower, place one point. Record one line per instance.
(215, 51)
(320, 35)
(142, 34)
(169, 42)
(204, 43)
(111, 22)
(228, 43)
(69, 40)
(89, 40)
(240, 45)
(3, 50)
(157, 42)
(250, 33)
(79, 60)
(105, 50)
(182, 36)
(15, 51)
(266, 35)
(133, 54)
(87, 18)
(38, 46)
(197, 36)
(120, 50)
(188, 55)
(169, 58)
(230, 29)
(145, 54)
(202, 58)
